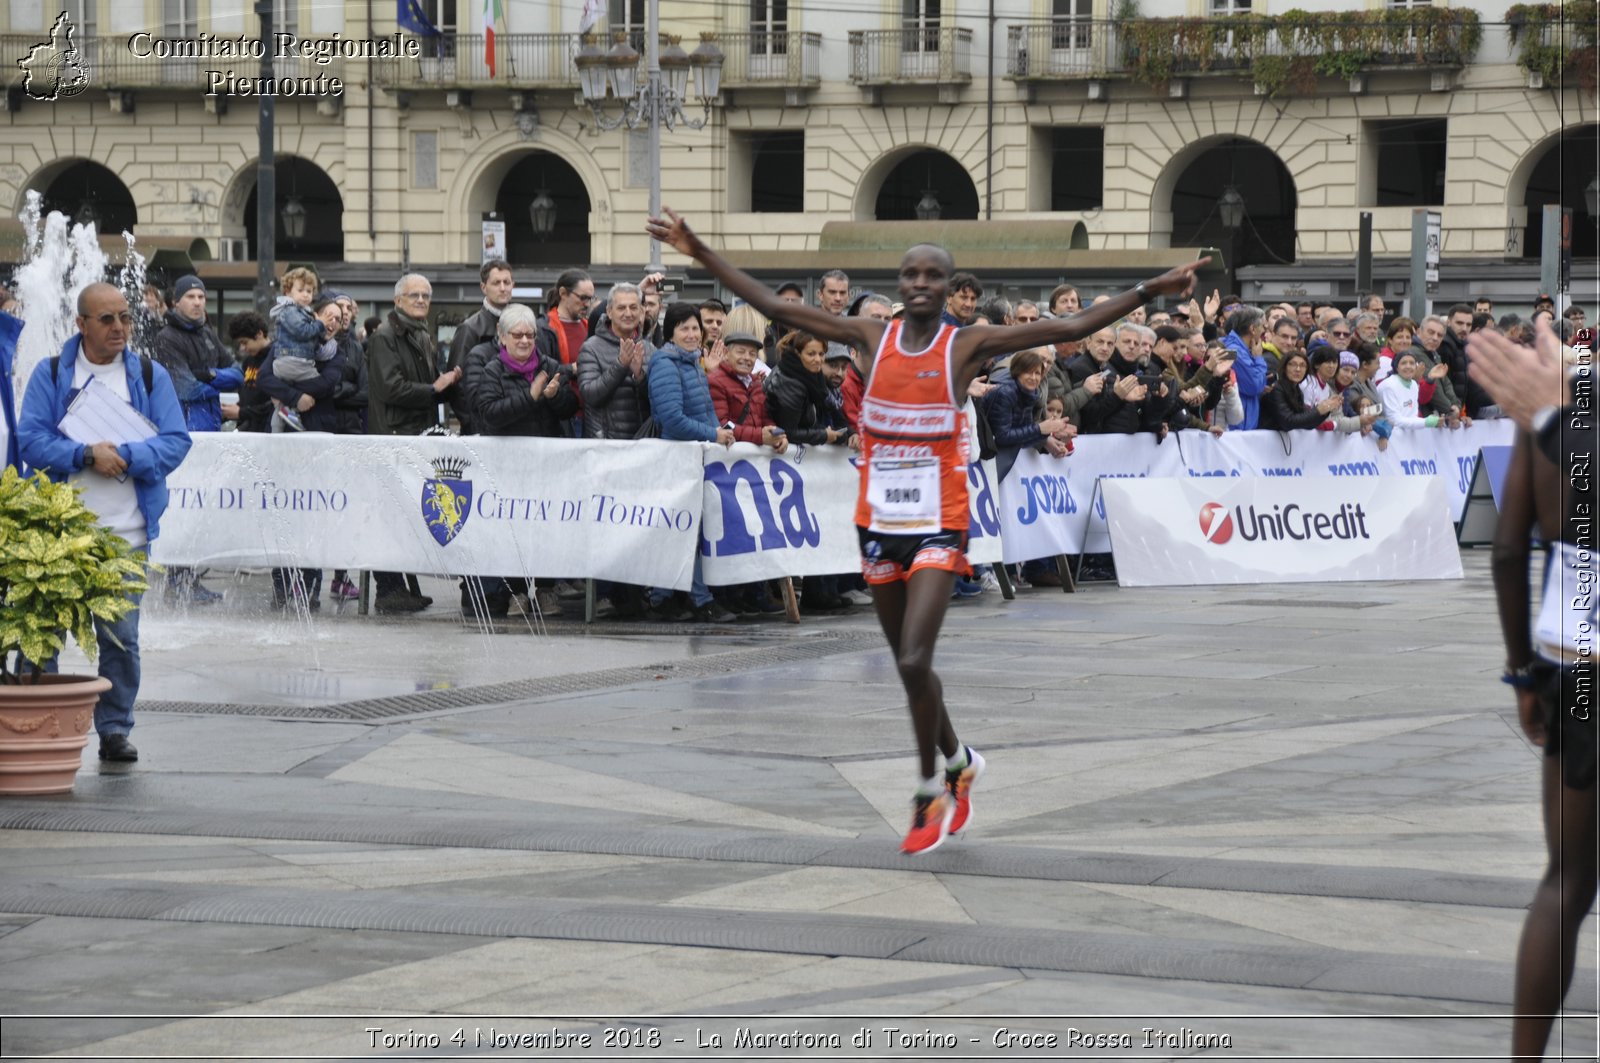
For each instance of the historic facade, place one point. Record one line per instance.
(1068, 116)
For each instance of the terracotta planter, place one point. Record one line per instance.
(43, 729)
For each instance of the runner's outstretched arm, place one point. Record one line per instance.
(976, 343)
(862, 333)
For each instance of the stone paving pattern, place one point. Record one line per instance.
(1308, 808)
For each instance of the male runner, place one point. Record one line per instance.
(912, 507)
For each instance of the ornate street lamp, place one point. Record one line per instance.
(659, 100)
(294, 218)
(542, 213)
(928, 207)
(1231, 208)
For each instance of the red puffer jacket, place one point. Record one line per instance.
(731, 398)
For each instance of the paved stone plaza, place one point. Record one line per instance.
(1299, 817)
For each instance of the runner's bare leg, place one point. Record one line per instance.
(911, 613)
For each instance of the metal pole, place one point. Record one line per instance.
(1550, 249)
(266, 182)
(988, 133)
(652, 66)
(1417, 292)
(1364, 254)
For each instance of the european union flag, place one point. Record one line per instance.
(413, 18)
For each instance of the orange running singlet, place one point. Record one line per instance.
(914, 447)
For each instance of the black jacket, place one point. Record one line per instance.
(324, 416)
(1106, 414)
(255, 405)
(1284, 408)
(797, 402)
(350, 396)
(479, 328)
(401, 369)
(503, 405)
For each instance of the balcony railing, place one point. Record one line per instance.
(926, 54)
(110, 63)
(1156, 50)
(780, 59)
(458, 60)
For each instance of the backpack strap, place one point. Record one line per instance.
(146, 371)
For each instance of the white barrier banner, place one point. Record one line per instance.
(1049, 506)
(1179, 531)
(483, 506)
(766, 515)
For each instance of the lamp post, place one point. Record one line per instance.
(658, 101)
(266, 183)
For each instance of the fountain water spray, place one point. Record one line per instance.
(60, 261)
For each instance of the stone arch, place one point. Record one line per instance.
(1524, 225)
(69, 184)
(872, 179)
(475, 187)
(1206, 167)
(236, 214)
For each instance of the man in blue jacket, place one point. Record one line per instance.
(125, 485)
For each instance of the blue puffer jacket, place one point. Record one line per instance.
(150, 461)
(1012, 411)
(1251, 372)
(680, 398)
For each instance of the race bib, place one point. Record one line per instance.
(904, 495)
(1567, 616)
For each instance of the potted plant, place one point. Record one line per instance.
(59, 570)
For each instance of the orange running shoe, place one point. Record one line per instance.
(930, 823)
(959, 784)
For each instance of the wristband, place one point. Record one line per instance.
(1519, 678)
(1143, 293)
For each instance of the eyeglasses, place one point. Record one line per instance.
(1341, 332)
(583, 298)
(520, 335)
(125, 319)
(418, 297)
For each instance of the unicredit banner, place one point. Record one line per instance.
(1048, 505)
(547, 508)
(1168, 532)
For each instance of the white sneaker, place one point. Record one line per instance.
(990, 583)
(857, 597)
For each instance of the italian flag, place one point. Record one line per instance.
(491, 15)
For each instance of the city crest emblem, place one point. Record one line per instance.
(447, 499)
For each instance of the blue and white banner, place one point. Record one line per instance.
(1049, 505)
(546, 508)
(1311, 529)
(477, 506)
(794, 515)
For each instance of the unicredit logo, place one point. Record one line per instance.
(1215, 523)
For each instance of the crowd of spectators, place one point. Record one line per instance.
(629, 365)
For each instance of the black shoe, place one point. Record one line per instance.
(822, 603)
(669, 612)
(712, 613)
(389, 604)
(117, 748)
